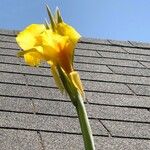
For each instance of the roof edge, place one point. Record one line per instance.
(9, 32)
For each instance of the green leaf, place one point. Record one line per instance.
(68, 85)
(59, 17)
(47, 25)
(51, 18)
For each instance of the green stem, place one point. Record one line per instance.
(77, 101)
(85, 125)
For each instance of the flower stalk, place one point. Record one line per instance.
(85, 125)
(78, 102)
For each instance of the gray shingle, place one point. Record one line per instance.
(37, 122)
(92, 86)
(127, 129)
(120, 43)
(115, 78)
(8, 32)
(107, 87)
(147, 64)
(125, 56)
(5, 38)
(30, 92)
(118, 113)
(118, 100)
(37, 92)
(141, 89)
(19, 140)
(12, 78)
(94, 111)
(54, 107)
(137, 51)
(40, 81)
(46, 71)
(99, 47)
(81, 59)
(92, 68)
(57, 141)
(107, 61)
(110, 48)
(127, 70)
(47, 123)
(140, 44)
(78, 66)
(9, 45)
(146, 72)
(89, 53)
(93, 40)
(16, 90)
(37, 106)
(121, 144)
(9, 60)
(67, 109)
(16, 104)
(9, 52)
(24, 69)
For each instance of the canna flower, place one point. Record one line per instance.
(55, 44)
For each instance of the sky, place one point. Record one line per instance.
(103, 19)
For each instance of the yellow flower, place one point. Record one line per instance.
(55, 46)
(57, 49)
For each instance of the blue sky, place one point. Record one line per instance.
(104, 19)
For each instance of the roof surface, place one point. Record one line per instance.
(35, 116)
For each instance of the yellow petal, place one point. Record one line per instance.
(25, 40)
(48, 39)
(52, 44)
(28, 37)
(53, 39)
(32, 58)
(77, 82)
(67, 30)
(57, 78)
(36, 29)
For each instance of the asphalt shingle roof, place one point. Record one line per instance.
(35, 116)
